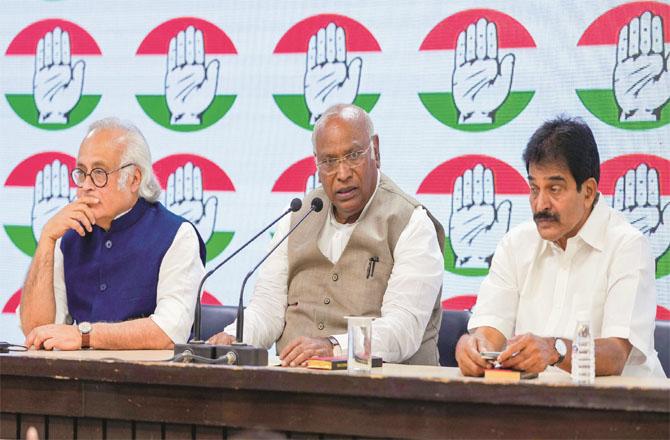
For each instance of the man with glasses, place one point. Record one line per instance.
(372, 251)
(114, 261)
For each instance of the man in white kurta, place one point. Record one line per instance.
(578, 255)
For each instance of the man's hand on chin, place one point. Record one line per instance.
(296, 353)
(54, 336)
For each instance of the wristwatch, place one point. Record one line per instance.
(85, 330)
(561, 349)
(337, 349)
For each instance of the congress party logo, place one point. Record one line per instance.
(638, 186)
(192, 188)
(634, 92)
(482, 191)
(44, 182)
(482, 48)
(327, 57)
(300, 177)
(52, 56)
(187, 74)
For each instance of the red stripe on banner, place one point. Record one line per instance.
(511, 33)
(213, 177)
(25, 43)
(25, 172)
(294, 179)
(13, 303)
(441, 180)
(461, 302)
(158, 40)
(662, 314)
(616, 167)
(605, 29)
(296, 39)
(209, 299)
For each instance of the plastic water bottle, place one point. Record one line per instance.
(583, 352)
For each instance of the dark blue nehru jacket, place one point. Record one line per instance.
(112, 275)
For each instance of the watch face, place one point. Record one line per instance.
(560, 347)
(84, 327)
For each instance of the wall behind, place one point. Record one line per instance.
(226, 93)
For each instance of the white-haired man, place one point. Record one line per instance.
(372, 251)
(115, 260)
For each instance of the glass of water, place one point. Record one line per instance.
(359, 360)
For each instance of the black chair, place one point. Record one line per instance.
(215, 318)
(662, 344)
(454, 325)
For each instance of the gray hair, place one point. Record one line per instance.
(348, 112)
(136, 151)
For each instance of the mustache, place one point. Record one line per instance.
(546, 215)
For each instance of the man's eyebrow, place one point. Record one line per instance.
(558, 178)
(96, 164)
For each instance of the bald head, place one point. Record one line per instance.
(350, 114)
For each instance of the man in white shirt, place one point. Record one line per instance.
(579, 255)
(372, 251)
(114, 260)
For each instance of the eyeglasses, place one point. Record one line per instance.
(352, 160)
(99, 176)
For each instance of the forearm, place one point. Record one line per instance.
(137, 334)
(38, 304)
(611, 355)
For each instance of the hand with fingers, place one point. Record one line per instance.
(296, 353)
(184, 197)
(57, 84)
(480, 83)
(637, 196)
(190, 87)
(468, 356)
(50, 195)
(529, 353)
(54, 337)
(641, 80)
(476, 224)
(221, 338)
(328, 78)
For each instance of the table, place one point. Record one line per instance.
(135, 394)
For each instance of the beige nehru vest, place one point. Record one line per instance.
(321, 293)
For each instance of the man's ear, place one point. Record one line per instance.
(590, 188)
(375, 146)
(137, 180)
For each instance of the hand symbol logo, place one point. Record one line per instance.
(328, 78)
(476, 224)
(480, 83)
(51, 194)
(641, 80)
(190, 87)
(184, 197)
(637, 196)
(57, 85)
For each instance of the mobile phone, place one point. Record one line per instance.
(490, 355)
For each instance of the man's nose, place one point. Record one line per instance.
(343, 170)
(542, 202)
(88, 184)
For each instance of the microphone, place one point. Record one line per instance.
(296, 204)
(316, 206)
(240, 353)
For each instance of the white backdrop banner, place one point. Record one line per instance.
(227, 92)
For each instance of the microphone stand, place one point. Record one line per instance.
(197, 346)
